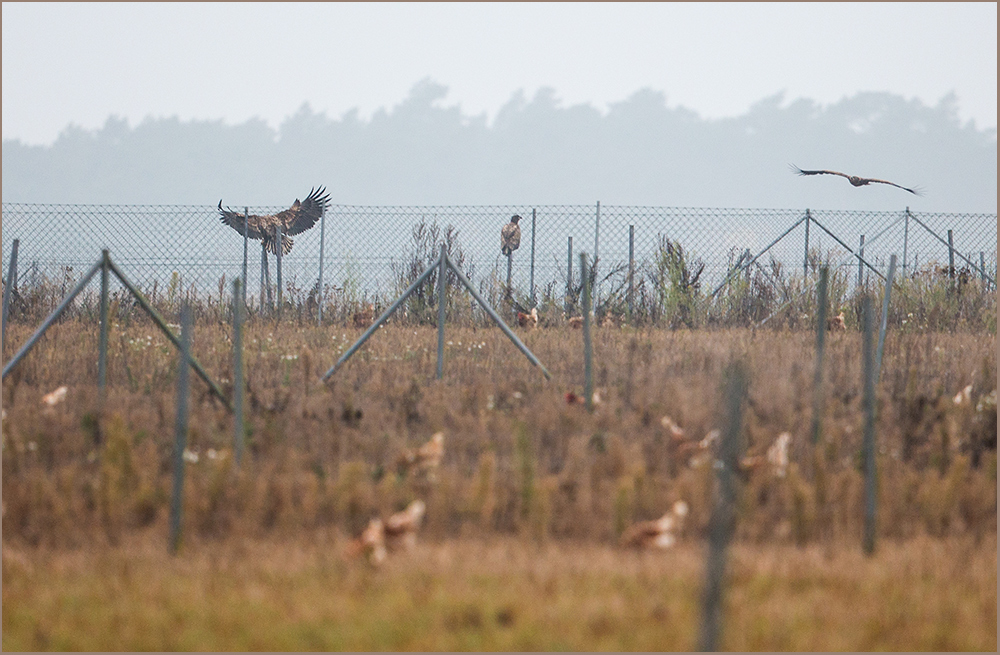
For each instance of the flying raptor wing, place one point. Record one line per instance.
(822, 172)
(303, 215)
(915, 192)
(236, 221)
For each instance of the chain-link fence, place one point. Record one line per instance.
(366, 249)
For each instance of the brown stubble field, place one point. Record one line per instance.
(518, 550)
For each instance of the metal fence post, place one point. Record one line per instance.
(588, 377)
(868, 442)
(442, 269)
(246, 248)
(723, 519)
(861, 258)
(824, 276)
(102, 342)
(8, 290)
(279, 250)
(510, 258)
(180, 429)
(906, 238)
(595, 292)
(531, 282)
(885, 318)
(322, 243)
(569, 272)
(951, 258)
(239, 430)
(265, 279)
(631, 271)
(982, 268)
(805, 258)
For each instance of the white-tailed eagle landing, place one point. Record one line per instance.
(854, 179)
(296, 219)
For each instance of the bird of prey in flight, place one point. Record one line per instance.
(854, 179)
(297, 219)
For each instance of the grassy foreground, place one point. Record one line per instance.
(504, 594)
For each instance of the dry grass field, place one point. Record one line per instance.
(518, 548)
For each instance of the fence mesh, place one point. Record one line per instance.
(366, 248)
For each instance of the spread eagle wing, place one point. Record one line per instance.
(823, 172)
(915, 192)
(303, 215)
(236, 221)
(856, 181)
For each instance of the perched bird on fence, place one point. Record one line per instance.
(370, 544)
(529, 319)
(661, 533)
(401, 528)
(510, 236)
(425, 458)
(297, 219)
(854, 179)
(836, 323)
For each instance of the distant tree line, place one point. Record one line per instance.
(639, 152)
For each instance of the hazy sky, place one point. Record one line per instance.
(80, 62)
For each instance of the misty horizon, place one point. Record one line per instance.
(536, 150)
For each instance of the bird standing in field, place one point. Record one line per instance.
(426, 458)
(296, 219)
(661, 533)
(510, 236)
(370, 544)
(836, 323)
(528, 319)
(401, 528)
(854, 179)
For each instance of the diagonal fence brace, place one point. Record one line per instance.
(160, 323)
(848, 248)
(739, 269)
(442, 262)
(382, 319)
(496, 319)
(975, 267)
(53, 317)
